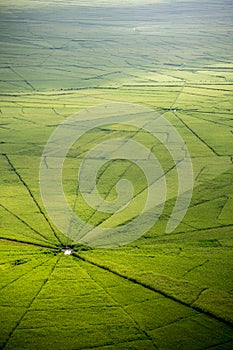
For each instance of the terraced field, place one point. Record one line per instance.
(164, 290)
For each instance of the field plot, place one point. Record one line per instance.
(164, 291)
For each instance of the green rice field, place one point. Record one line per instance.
(165, 290)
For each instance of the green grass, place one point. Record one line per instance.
(163, 291)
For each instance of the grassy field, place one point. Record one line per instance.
(164, 291)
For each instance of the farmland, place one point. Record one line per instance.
(164, 290)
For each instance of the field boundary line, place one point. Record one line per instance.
(196, 135)
(25, 223)
(131, 137)
(30, 304)
(26, 242)
(209, 312)
(25, 273)
(124, 310)
(32, 196)
(23, 79)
